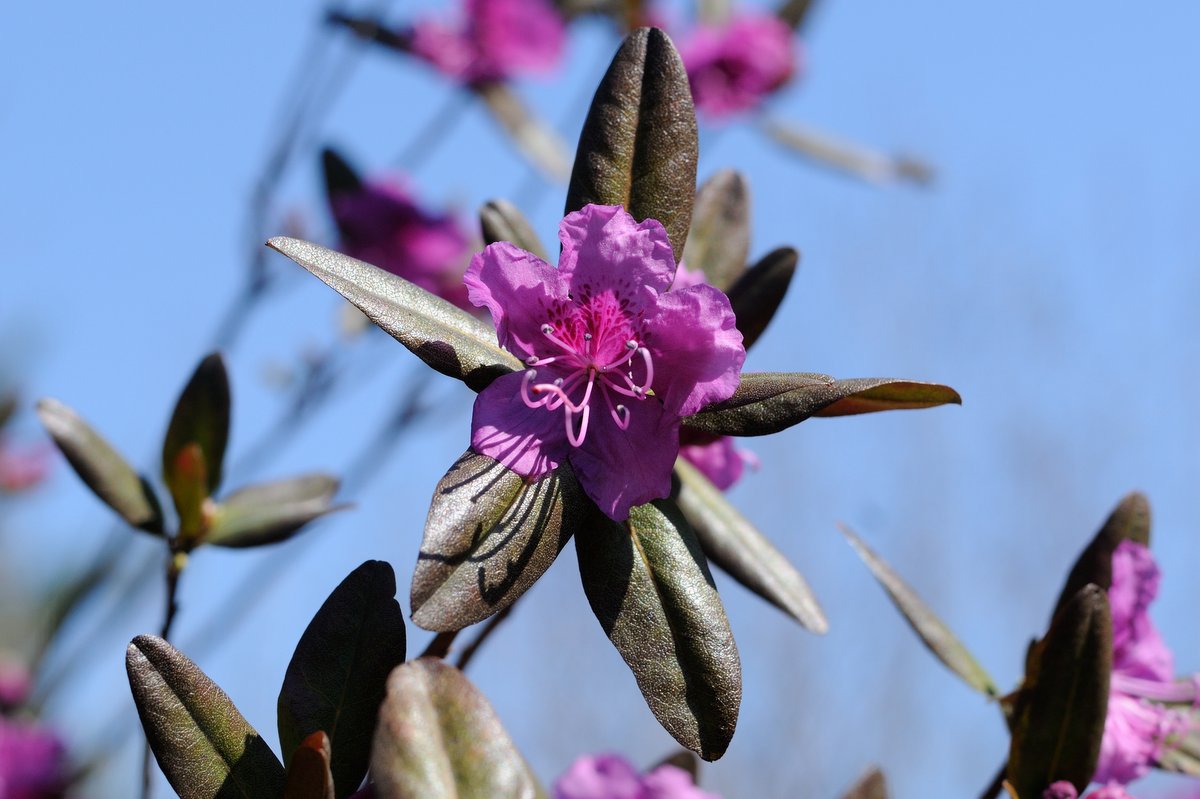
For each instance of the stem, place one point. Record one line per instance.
(469, 652)
(435, 132)
(177, 560)
(439, 647)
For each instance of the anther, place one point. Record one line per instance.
(587, 336)
(631, 344)
(547, 329)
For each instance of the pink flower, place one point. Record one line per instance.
(497, 40)
(21, 469)
(382, 225)
(31, 762)
(612, 777)
(1065, 790)
(734, 67)
(615, 359)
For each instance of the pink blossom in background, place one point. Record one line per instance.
(15, 684)
(32, 764)
(612, 777)
(615, 359)
(495, 40)
(733, 67)
(716, 457)
(383, 225)
(21, 469)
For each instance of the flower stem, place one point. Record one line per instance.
(469, 652)
(175, 565)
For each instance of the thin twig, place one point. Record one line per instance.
(176, 560)
(439, 647)
(469, 651)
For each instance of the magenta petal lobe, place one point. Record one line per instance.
(527, 440)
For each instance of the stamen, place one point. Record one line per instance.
(583, 426)
(1173, 692)
(526, 395)
(620, 415)
(649, 381)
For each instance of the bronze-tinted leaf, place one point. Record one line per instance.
(638, 147)
(201, 417)
(308, 772)
(340, 177)
(1129, 521)
(852, 159)
(649, 586)
(271, 512)
(871, 785)
(719, 242)
(500, 220)
(101, 467)
(202, 743)
(335, 680)
(8, 406)
(767, 402)
(733, 543)
(537, 141)
(438, 737)
(795, 12)
(758, 293)
(447, 338)
(490, 534)
(1058, 717)
(932, 631)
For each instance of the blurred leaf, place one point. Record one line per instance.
(438, 737)
(1058, 719)
(649, 586)
(189, 489)
(537, 141)
(683, 760)
(719, 242)
(756, 296)
(1130, 520)
(201, 417)
(101, 467)
(871, 785)
(202, 743)
(638, 147)
(340, 177)
(1183, 755)
(767, 402)
(447, 338)
(795, 12)
(8, 406)
(853, 159)
(733, 543)
(372, 30)
(271, 512)
(713, 12)
(308, 774)
(490, 534)
(500, 220)
(335, 680)
(932, 631)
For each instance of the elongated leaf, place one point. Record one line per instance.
(1130, 520)
(308, 773)
(340, 177)
(536, 140)
(758, 293)
(500, 220)
(638, 147)
(733, 543)
(932, 631)
(201, 417)
(8, 406)
(202, 743)
(438, 737)
(1058, 719)
(490, 534)
(850, 158)
(102, 469)
(719, 241)
(271, 512)
(335, 680)
(795, 12)
(447, 338)
(649, 586)
(767, 402)
(871, 785)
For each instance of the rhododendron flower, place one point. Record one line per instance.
(32, 762)
(382, 225)
(615, 359)
(734, 67)
(612, 777)
(1065, 790)
(21, 469)
(495, 40)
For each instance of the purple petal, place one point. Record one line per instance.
(622, 468)
(696, 347)
(1135, 732)
(1112, 791)
(1060, 790)
(718, 460)
(530, 441)
(514, 36)
(605, 250)
(31, 762)
(734, 68)
(15, 683)
(599, 777)
(670, 782)
(521, 291)
(1138, 649)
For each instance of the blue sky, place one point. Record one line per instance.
(1049, 274)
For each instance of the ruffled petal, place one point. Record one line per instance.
(1138, 648)
(520, 290)
(1135, 731)
(696, 347)
(605, 250)
(513, 36)
(718, 460)
(599, 777)
(671, 782)
(530, 441)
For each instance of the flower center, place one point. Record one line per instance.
(598, 362)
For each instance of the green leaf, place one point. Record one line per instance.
(767, 402)
(537, 141)
(649, 586)
(308, 774)
(271, 512)
(500, 220)
(1058, 717)
(447, 338)
(335, 680)
(759, 292)
(871, 785)
(202, 743)
(734, 544)
(638, 147)
(201, 417)
(438, 737)
(933, 632)
(1129, 521)
(795, 12)
(490, 534)
(102, 469)
(340, 177)
(718, 243)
